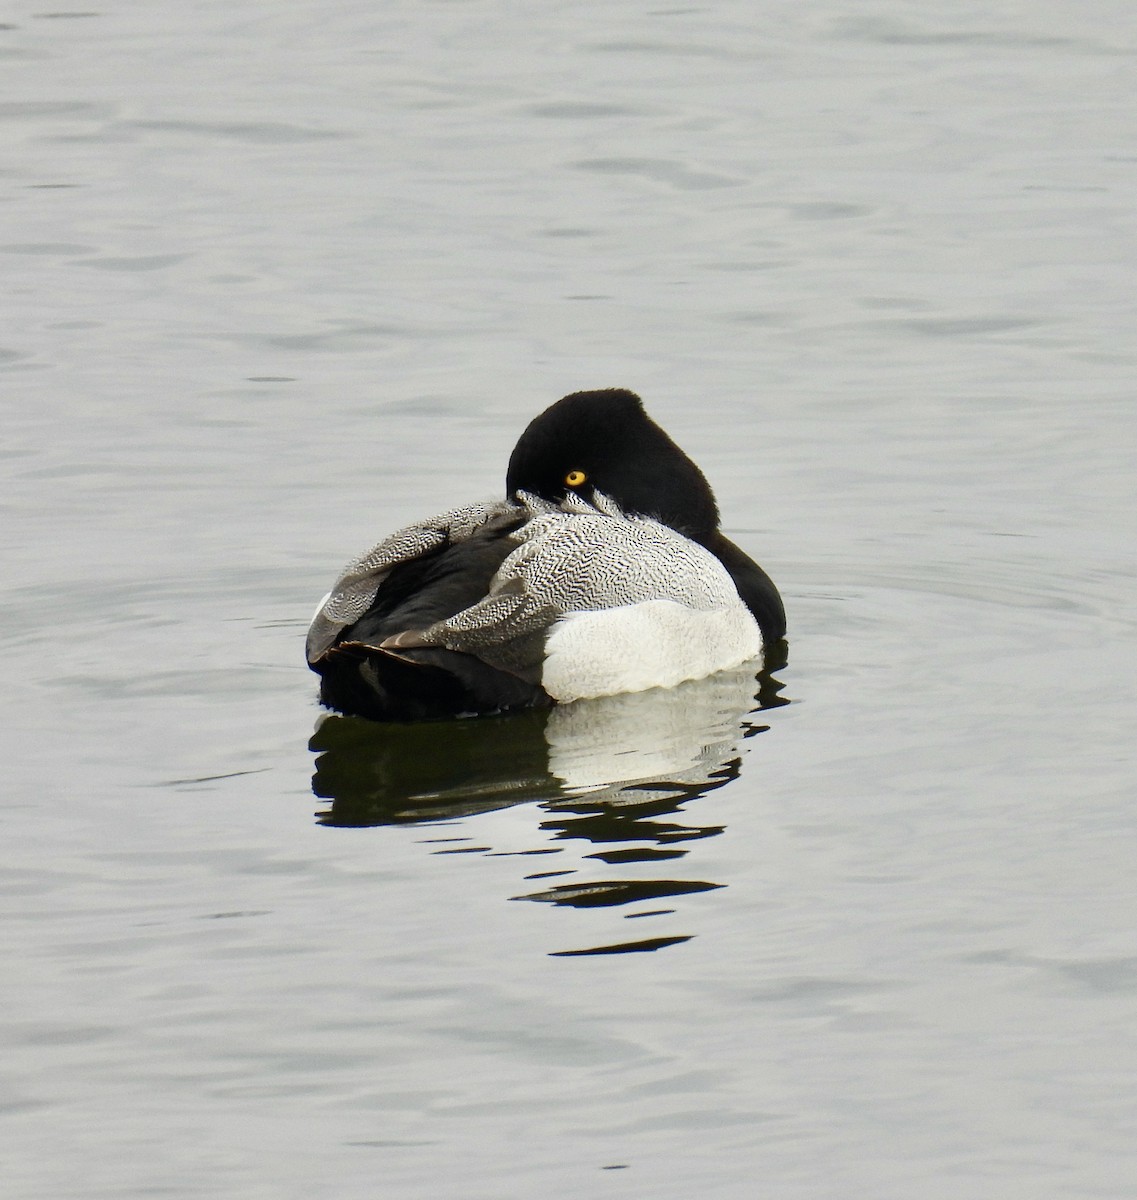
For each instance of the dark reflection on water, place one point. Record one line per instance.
(603, 895)
(618, 773)
(380, 774)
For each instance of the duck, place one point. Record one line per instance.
(602, 571)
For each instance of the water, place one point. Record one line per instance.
(278, 280)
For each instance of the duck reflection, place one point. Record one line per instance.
(616, 773)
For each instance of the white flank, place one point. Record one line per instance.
(655, 643)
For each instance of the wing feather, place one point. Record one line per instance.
(358, 584)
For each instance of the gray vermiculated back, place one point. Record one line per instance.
(581, 557)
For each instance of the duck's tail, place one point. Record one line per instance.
(425, 683)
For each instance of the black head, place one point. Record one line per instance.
(604, 441)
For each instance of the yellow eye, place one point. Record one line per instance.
(575, 478)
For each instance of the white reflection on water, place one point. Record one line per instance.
(673, 733)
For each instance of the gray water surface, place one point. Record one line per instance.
(278, 279)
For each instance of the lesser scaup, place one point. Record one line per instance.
(602, 571)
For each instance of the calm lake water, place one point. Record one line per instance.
(279, 279)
